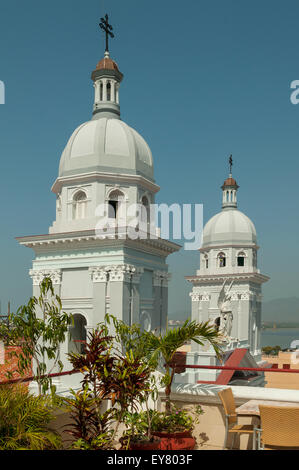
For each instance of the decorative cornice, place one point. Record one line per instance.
(205, 297)
(196, 297)
(117, 273)
(126, 273)
(37, 276)
(76, 240)
(217, 278)
(98, 274)
(245, 295)
(107, 177)
(206, 249)
(234, 296)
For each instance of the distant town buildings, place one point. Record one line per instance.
(285, 360)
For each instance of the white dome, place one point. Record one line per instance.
(229, 227)
(106, 145)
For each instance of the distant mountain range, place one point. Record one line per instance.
(281, 310)
(277, 310)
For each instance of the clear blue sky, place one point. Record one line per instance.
(203, 79)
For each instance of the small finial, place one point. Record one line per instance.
(108, 31)
(230, 164)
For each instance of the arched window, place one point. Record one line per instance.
(77, 334)
(108, 91)
(115, 199)
(58, 203)
(221, 260)
(79, 205)
(101, 91)
(241, 259)
(145, 212)
(217, 323)
(145, 202)
(206, 261)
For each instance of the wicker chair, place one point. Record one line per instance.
(280, 427)
(231, 418)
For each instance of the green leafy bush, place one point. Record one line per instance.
(178, 420)
(24, 420)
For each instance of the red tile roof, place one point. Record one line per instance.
(230, 182)
(107, 64)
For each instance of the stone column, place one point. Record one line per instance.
(112, 84)
(244, 318)
(124, 292)
(160, 288)
(235, 310)
(99, 278)
(259, 321)
(56, 277)
(195, 302)
(104, 89)
(205, 299)
(136, 295)
(97, 91)
(37, 277)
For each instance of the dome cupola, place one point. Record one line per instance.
(106, 144)
(107, 79)
(229, 188)
(103, 156)
(230, 226)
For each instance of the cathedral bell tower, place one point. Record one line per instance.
(105, 163)
(227, 289)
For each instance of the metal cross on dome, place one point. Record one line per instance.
(230, 164)
(108, 30)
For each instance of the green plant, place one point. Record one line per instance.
(110, 374)
(132, 338)
(135, 343)
(271, 350)
(165, 346)
(89, 428)
(137, 427)
(24, 420)
(38, 328)
(130, 384)
(178, 420)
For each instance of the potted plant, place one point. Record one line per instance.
(174, 426)
(138, 434)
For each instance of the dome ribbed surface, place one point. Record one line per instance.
(229, 227)
(106, 145)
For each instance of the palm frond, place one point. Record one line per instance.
(24, 420)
